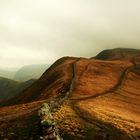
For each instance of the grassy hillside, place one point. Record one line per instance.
(90, 99)
(9, 88)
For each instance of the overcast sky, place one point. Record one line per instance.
(41, 31)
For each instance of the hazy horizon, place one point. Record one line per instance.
(41, 31)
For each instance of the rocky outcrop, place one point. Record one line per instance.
(49, 129)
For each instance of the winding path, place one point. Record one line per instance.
(90, 119)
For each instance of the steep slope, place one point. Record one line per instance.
(30, 72)
(92, 99)
(9, 88)
(56, 78)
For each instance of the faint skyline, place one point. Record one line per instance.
(41, 31)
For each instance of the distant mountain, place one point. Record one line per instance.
(90, 99)
(7, 74)
(30, 72)
(9, 88)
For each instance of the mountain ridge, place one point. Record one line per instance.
(91, 98)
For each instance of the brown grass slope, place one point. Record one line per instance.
(99, 98)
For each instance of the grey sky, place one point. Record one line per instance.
(41, 31)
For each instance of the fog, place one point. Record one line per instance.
(41, 31)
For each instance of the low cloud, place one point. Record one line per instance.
(41, 31)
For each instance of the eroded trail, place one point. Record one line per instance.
(88, 117)
(116, 87)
